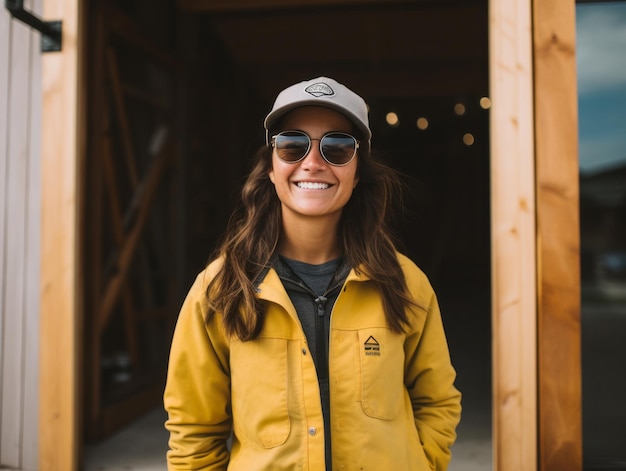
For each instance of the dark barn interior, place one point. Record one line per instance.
(176, 96)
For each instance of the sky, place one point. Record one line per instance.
(601, 65)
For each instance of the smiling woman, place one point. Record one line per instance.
(308, 307)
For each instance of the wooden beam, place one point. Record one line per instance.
(513, 236)
(144, 197)
(115, 222)
(556, 147)
(122, 117)
(235, 5)
(93, 198)
(61, 148)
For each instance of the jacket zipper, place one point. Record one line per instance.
(320, 336)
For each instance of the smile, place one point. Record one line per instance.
(312, 185)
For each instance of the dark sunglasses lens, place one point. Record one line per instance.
(292, 146)
(338, 148)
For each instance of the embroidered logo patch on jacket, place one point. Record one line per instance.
(372, 347)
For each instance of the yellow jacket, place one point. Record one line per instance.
(393, 402)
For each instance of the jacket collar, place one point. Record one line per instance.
(268, 280)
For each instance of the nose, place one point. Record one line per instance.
(314, 159)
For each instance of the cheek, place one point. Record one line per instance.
(280, 173)
(271, 174)
(354, 175)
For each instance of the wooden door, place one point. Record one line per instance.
(102, 174)
(129, 227)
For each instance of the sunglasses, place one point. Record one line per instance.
(337, 148)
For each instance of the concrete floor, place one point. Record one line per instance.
(142, 447)
(139, 447)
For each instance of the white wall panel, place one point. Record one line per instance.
(20, 108)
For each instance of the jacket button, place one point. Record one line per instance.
(304, 351)
(312, 431)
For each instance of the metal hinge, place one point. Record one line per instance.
(51, 31)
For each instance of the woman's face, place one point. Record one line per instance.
(312, 187)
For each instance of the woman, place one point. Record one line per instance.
(309, 343)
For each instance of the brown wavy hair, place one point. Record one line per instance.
(253, 233)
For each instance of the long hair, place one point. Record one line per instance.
(253, 232)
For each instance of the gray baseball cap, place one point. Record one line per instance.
(322, 91)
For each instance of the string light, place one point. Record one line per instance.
(468, 139)
(392, 119)
(459, 109)
(422, 123)
(485, 103)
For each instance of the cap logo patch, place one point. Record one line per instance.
(319, 89)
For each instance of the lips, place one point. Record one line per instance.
(312, 185)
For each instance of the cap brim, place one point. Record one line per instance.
(275, 116)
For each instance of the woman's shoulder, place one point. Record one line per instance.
(204, 277)
(417, 281)
(410, 268)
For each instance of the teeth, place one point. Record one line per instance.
(312, 186)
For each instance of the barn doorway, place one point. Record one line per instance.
(177, 92)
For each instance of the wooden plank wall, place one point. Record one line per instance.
(20, 114)
(513, 236)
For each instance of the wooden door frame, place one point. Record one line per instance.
(513, 232)
(558, 236)
(62, 151)
(537, 404)
(535, 245)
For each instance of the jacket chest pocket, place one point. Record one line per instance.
(381, 362)
(259, 391)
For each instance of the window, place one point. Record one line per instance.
(601, 55)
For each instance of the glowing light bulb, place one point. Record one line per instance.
(392, 119)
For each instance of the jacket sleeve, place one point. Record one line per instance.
(197, 392)
(430, 382)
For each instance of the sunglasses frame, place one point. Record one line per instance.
(356, 146)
